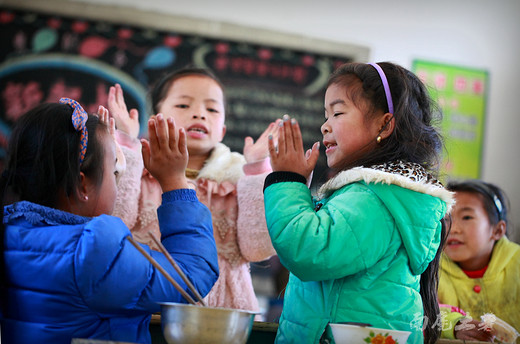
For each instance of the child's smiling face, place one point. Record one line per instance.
(472, 236)
(347, 132)
(196, 103)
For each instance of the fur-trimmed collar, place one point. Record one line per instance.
(408, 175)
(223, 165)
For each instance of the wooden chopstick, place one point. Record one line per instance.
(161, 269)
(177, 268)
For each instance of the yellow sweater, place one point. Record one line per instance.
(497, 292)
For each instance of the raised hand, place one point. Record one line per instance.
(104, 118)
(289, 155)
(259, 150)
(127, 122)
(165, 156)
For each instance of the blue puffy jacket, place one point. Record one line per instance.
(77, 277)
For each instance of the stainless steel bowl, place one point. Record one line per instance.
(184, 323)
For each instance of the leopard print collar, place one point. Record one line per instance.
(410, 170)
(405, 174)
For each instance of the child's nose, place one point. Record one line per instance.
(454, 227)
(199, 115)
(325, 128)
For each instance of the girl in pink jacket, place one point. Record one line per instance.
(228, 183)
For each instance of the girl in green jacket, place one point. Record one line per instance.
(365, 248)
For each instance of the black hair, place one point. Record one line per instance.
(415, 137)
(43, 163)
(162, 86)
(496, 202)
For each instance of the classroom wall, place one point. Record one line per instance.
(474, 33)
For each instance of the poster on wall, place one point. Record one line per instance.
(461, 94)
(46, 56)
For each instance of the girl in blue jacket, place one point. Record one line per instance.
(67, 269)
(365, 249)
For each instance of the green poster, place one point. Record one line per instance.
(461, 94)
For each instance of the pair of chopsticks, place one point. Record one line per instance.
(165, 273)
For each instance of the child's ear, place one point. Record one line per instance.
(387, 125)
(499, 230)
(223, 132)
(83, 188)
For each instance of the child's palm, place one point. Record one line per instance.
(127, 122)
(259, 150)
(289, 155)
(166, 154)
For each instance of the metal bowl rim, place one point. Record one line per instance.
(187, 305)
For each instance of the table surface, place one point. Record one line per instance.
(263, 333)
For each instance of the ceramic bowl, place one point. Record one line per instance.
(355, 334)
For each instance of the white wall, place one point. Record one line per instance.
(474, 33)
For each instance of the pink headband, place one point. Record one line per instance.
(79, 120)
(385, 86)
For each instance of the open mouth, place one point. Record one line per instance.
(329, 145)
(453, 242)
(199, 129)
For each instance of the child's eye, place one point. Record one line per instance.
(467, 217)
(212, 110)
(338, 113)
(181, 106)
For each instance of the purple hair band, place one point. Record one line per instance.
(385, 86)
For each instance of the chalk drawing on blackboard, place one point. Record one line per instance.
(28, 80)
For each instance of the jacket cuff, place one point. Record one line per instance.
(283, 176)
(450, 320)
(257, 167)
(179, 195)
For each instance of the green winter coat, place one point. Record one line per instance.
(359, 257)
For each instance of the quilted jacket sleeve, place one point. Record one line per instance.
(333, 242)
(113, 275)
(253, 237)
(129, 184)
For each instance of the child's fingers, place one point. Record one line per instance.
(271, 147)
(297, 136)
(145, 152)
(134, 114)
(289, 140)
(152, 131)
(112, 127)
(111, 96)
(313, 155)
(183, 144)
(173, 135)
(162, 132)
(119, 95)
(281, 139)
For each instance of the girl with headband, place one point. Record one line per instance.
(67, 270)
(480, 266)
(365, 248)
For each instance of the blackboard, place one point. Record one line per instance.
(46, 56)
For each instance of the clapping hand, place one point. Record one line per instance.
(259, 150)
(104, 118)
(166, 155)
(289, 155)
(127, 122)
